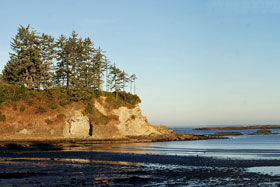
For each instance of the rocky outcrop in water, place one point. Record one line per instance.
(227, 134)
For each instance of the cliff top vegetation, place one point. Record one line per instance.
(61, 71)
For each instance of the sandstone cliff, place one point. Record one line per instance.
(73, 122)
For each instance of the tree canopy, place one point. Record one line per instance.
(40, 61)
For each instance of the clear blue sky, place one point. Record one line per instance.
(198, 62)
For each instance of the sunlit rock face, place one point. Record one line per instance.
(77, 125)
(133, 123)
(72, 121)
(130, 122)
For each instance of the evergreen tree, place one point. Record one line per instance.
(86, 70)
(47, 54)
(68, 56)
(107, 67)
(115, 79)
(99, 68)
(124, 80)
(62, 67)
(73, 46)
(40, 61)
(10, 72)
(26, 56)
(133, 78)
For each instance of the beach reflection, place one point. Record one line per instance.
(139, 148)
(29, 171)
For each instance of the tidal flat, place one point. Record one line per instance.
(65, 167)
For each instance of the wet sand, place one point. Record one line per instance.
(89, 168)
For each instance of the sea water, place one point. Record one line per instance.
(246, 146)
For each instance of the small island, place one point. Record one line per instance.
(227, 134)
(262, 132)
(65, 88)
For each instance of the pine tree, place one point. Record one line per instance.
(47, 54)
(124, 80)
(86, 70)
(115, 79)
(107, 66)
(62, 66)
(133, 78)
(40, 61)
(10, 72)
(26, 55)
(73, 48)
(99, 67)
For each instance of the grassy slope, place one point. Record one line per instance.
(43, 101)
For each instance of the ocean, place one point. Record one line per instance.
(245, 146)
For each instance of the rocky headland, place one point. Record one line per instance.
(97, 120)
(53, 89)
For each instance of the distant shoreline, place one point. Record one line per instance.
(241, 127)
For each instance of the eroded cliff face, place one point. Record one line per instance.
(73, 122)
(133, 123)
(77, 125)
(130, 123)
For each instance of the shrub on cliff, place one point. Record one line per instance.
(10, 92)
(53, 106)
(29, 102)
(2, 117)
(89, 108)
(102, 120)
(124, 99)
(61, 96)
(22, 108)
(48, 121)
(15, 107)
(129, 98)
(18, 93)
(41, 110)
(64, 102)
(60, 116)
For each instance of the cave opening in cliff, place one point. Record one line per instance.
(90, 129)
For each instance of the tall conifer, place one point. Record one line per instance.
(47, 54)
(26, 55)
(99, 68)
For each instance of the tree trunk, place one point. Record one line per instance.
(134, 88)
